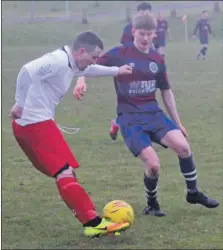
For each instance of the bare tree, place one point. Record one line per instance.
(217, 8)
(96, 4)
(128, 13)
(84, 19)
(173, 13)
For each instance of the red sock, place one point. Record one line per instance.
(76, 199)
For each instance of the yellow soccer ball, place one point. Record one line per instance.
(119, 211)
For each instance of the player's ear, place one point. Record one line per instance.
(82, 51)
(154, 33)
(133, 31)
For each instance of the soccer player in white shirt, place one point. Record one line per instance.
(41, 84)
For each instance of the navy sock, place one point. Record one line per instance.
(202, 51)
(205, 51)
(93, 223)
(189, 172)
(151, 188)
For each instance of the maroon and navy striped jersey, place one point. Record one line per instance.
(136, 92)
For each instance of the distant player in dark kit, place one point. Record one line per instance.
(127, 37)
(162, 32)
(204, 28)
(141, 119)
(142, 9)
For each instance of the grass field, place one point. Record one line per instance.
(33, 216)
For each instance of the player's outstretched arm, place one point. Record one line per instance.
(101, 70)
(81, 86)
(108, 63)
(195, 30)
(210, 30)
(170, 105)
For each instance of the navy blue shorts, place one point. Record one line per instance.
(203, 40)
(139, 130)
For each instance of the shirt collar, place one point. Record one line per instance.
(70, 58)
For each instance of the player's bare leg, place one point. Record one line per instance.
(114, 128)
(175, 140)
(46, 161)
(152, 168)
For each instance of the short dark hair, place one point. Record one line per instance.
(147, 22)
(88, 40)
(144, 6)
(204, 11)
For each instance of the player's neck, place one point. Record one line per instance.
(141, 50)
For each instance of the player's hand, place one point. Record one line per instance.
(193, 37)
(80, 89)
(125, 70)
(183, 130)
(16, 112)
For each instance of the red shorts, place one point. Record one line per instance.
(45, 146)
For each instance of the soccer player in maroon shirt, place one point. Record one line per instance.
(141, 119)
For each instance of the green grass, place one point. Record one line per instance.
(33, 216)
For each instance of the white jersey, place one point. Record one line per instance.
(42, 83)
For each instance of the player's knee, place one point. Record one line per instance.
(184, 150)
(152, 168)
(65, 173)
(150, 160)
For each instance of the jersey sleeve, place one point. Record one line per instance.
(100, 70)
(23, 84)
(209, 28)
(34, 72)
(162, 77)
(196, 28)
(43, 67)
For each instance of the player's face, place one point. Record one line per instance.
(83, 58)
(143, 12)
(205, 15)
(143, 38)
